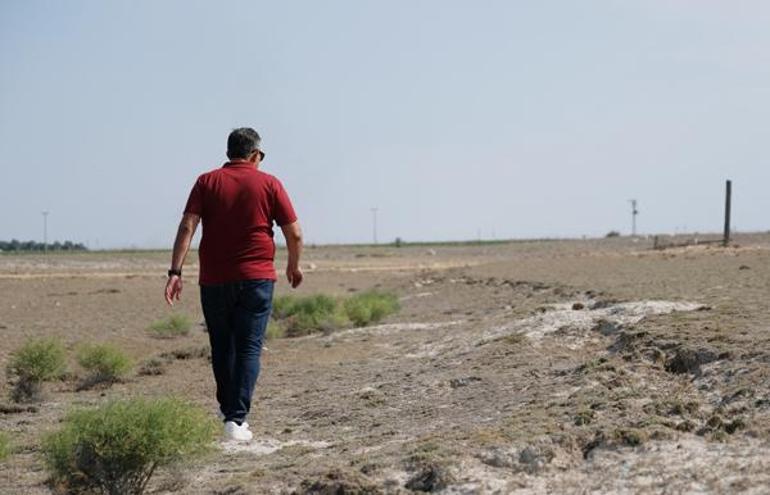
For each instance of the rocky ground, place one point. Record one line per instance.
(529, 367)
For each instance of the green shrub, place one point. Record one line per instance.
(37, 361)
(274, 330)
(103, 362)
(304, 315)
(116, 448)
(283, 306)
(370, 307)
(5, 446)
(174, 326)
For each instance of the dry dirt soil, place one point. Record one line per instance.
(593, 366)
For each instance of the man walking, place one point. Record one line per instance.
(238, 205)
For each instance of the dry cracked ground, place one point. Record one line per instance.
(527, 367)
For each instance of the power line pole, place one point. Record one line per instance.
(374, 224)
(728, 202)
(634, 213)
(45, 231)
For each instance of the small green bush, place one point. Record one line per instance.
(103, 362)
(5, 446)
(283, 306)
(37, 361)
(370, 307)
(115, 449)
(274, 330)
(174, 326)
(305, 315)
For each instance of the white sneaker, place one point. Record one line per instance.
(238, 433)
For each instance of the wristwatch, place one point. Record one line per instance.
(178, 273)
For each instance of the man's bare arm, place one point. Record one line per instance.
(293, 235)
(184, 235)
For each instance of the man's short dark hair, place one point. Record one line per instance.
(242, 142)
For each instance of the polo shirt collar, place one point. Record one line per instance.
(239, 163)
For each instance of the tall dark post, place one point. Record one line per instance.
(728, 200)
(45, 231)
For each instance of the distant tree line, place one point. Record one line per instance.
(16, 245)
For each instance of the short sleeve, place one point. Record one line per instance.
(283, 211)
(195, 200)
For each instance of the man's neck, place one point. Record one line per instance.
(243, 161)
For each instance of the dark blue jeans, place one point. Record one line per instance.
(236, 316)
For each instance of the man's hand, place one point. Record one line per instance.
(294, 276)
(174, 289)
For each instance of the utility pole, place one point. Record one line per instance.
(45, 231)
(634, 213)
(728, 201)
(374, 224)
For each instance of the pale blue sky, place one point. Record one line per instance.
(513, 118)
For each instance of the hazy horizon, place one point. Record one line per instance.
(280, 244)
(457, 121)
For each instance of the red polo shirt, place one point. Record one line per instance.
(238, 205)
